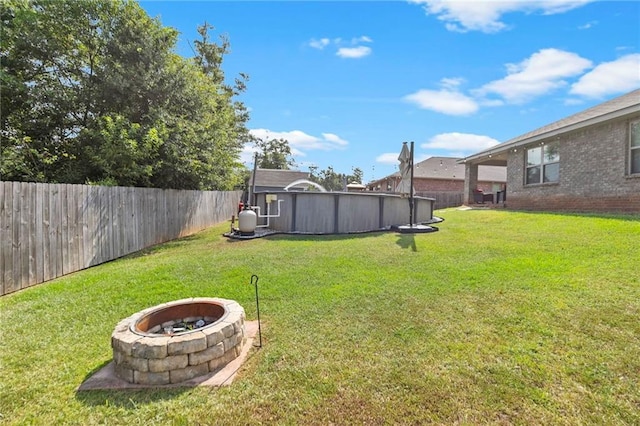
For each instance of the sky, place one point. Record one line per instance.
(346, 82)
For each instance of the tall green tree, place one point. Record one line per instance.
(41, 76)
(92, 90)
(130, 84)
(356, 175)
(274, 154)
(334, 181)
(207, 127)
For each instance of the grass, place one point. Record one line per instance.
(500, 317)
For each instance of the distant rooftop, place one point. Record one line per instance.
(277, 178)
(448, 168)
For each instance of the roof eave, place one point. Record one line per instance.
(506, 146)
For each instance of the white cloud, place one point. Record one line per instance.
(573, 101)
(621, 75)
(319, 44)
(451, 83)
(333, 138)
(351, 49)
(247, 154)
(537, 75)
(491, 102)
(445, 101)
(485, 16)
(354, 52)
(361, 39)
(459, 142)
(541, 73)
(388, 158)
(552, 7)
(588, 25)
(300, 141)
(456, 145)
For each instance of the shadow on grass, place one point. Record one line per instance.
(95, 370)
(127, 398)
(406, 241)
(180, 242)
(319, 237)
(631, 217)
(132, 398)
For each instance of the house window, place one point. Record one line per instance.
(634, 155)
(543, 164)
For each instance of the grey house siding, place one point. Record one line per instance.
(594, 173)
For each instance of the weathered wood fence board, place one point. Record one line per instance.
(49, 230)
(444, 199)
(6, 257)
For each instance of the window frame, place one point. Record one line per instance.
(633, 149)
(542, 162)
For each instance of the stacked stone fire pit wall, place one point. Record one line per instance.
(163, 359)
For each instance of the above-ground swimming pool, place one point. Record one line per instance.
(316, 212)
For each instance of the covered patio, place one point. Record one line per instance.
(473, 193)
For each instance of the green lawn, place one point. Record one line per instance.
(500, 317)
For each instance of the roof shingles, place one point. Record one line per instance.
(277, 178)
(622, 105)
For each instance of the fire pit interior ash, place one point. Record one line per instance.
(178, 341)
(178, 318)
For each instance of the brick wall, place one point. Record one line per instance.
(422, 185)
(593, 173)
(614, 204)
(425, 185)
(434, 185)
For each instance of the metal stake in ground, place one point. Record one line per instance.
(255, 284)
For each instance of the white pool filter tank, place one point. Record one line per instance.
(247, 221)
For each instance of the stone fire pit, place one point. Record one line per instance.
(177, 341)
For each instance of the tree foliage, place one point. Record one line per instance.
(334, 181)
(92, 91)
(274, 154)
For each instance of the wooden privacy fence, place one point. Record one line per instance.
(444, 199)
(49, 230)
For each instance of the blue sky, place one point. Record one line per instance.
(347, 82)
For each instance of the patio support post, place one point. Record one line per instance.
(470, 182)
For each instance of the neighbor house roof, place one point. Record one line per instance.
(277, 178)
(448, 168)
(615, 108)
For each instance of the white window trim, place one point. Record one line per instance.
(632, 148)
(541, 165)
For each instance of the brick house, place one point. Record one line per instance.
(443, 174)
(589, 161)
